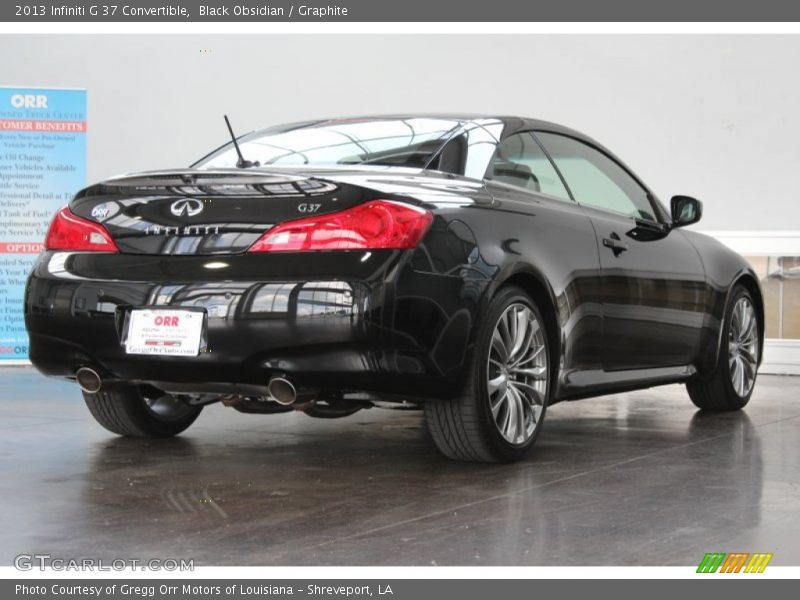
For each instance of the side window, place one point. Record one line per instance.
(595, 179)
(520, 161)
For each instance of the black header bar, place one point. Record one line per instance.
(400, 11)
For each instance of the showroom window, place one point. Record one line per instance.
(521, 162)
(595, 179)
(780, 281)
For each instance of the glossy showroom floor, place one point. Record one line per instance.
(633, 479)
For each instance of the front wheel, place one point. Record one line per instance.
(733, 380)
(140, 412)
(502, 408)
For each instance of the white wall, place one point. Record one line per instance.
(711, 116)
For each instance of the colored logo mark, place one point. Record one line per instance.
(734, 562)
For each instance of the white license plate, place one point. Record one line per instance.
(164, 332)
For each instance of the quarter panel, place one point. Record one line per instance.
(552, 241)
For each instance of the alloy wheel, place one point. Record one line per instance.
(743, 347)
(517, 373)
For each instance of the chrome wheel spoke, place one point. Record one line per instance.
(525, 414)
(742, 378)
(495, 384)
(506, 336)
(747, 323)
(499, 347)
(749, 365)
(531, 357)
(531, 392)
(508, 417)
(510, 422)
(533, 372)
(521, 327)
(749, 353)
(498, 404)
(749, 335)
(517, 373)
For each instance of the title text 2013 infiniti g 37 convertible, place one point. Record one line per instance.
(482, 268)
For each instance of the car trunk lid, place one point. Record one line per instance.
(207, 212)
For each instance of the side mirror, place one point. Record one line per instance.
(685, 210)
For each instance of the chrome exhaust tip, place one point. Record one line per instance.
(88, 380)
(282, 391)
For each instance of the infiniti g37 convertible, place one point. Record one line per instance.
(480, 268)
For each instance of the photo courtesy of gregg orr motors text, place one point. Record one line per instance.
(186, 589)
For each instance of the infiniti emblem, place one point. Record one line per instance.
(188, 207)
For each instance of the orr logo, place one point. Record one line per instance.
(735, 562)
(29, 101)
(166, 321)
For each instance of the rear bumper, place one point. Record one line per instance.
(351, 321)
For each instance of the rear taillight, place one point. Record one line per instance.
(70, 232)
(378, 224)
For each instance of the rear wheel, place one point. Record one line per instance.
(140, 412)
(731, 384)
(502, 408)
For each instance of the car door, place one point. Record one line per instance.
(652, 279)
(545, 228)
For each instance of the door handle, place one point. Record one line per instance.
(616, 245)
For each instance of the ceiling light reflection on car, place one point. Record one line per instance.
(216, 265)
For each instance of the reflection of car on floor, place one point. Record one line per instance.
(482, 268)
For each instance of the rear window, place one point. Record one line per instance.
(410, 142)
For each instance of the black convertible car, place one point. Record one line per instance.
(482, 268)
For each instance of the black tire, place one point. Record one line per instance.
(126, 410)
(463, 428)
(715, 391)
